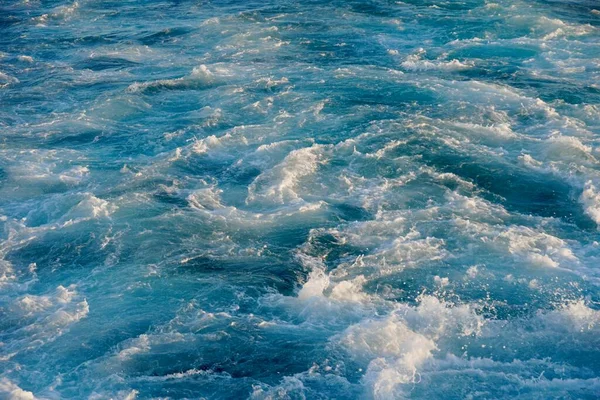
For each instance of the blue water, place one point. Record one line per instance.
(300, 199)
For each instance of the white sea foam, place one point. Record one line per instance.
(13, 392)
(200, 77)
(590, 199)
(75, 175)
(318, 279)
(394, 348)
(6, 79)
(568, 148)
(392, 245)
(24, 58)
(120, 394)
(144, 343)
(130, 52)
(574, 316)
(563, 29)
(394, 352)
(416, 64)
(291, 388)
(279, 185)
(60, 13)
(502, 97)
(206, 199)
(319, 285)
(44, 318)
(523, 243)
(202, 146)
(90, 207)
(387, 338)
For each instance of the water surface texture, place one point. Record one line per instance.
(313, 199)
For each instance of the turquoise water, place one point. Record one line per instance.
(300, 200)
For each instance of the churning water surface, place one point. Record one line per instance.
(299, 199)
